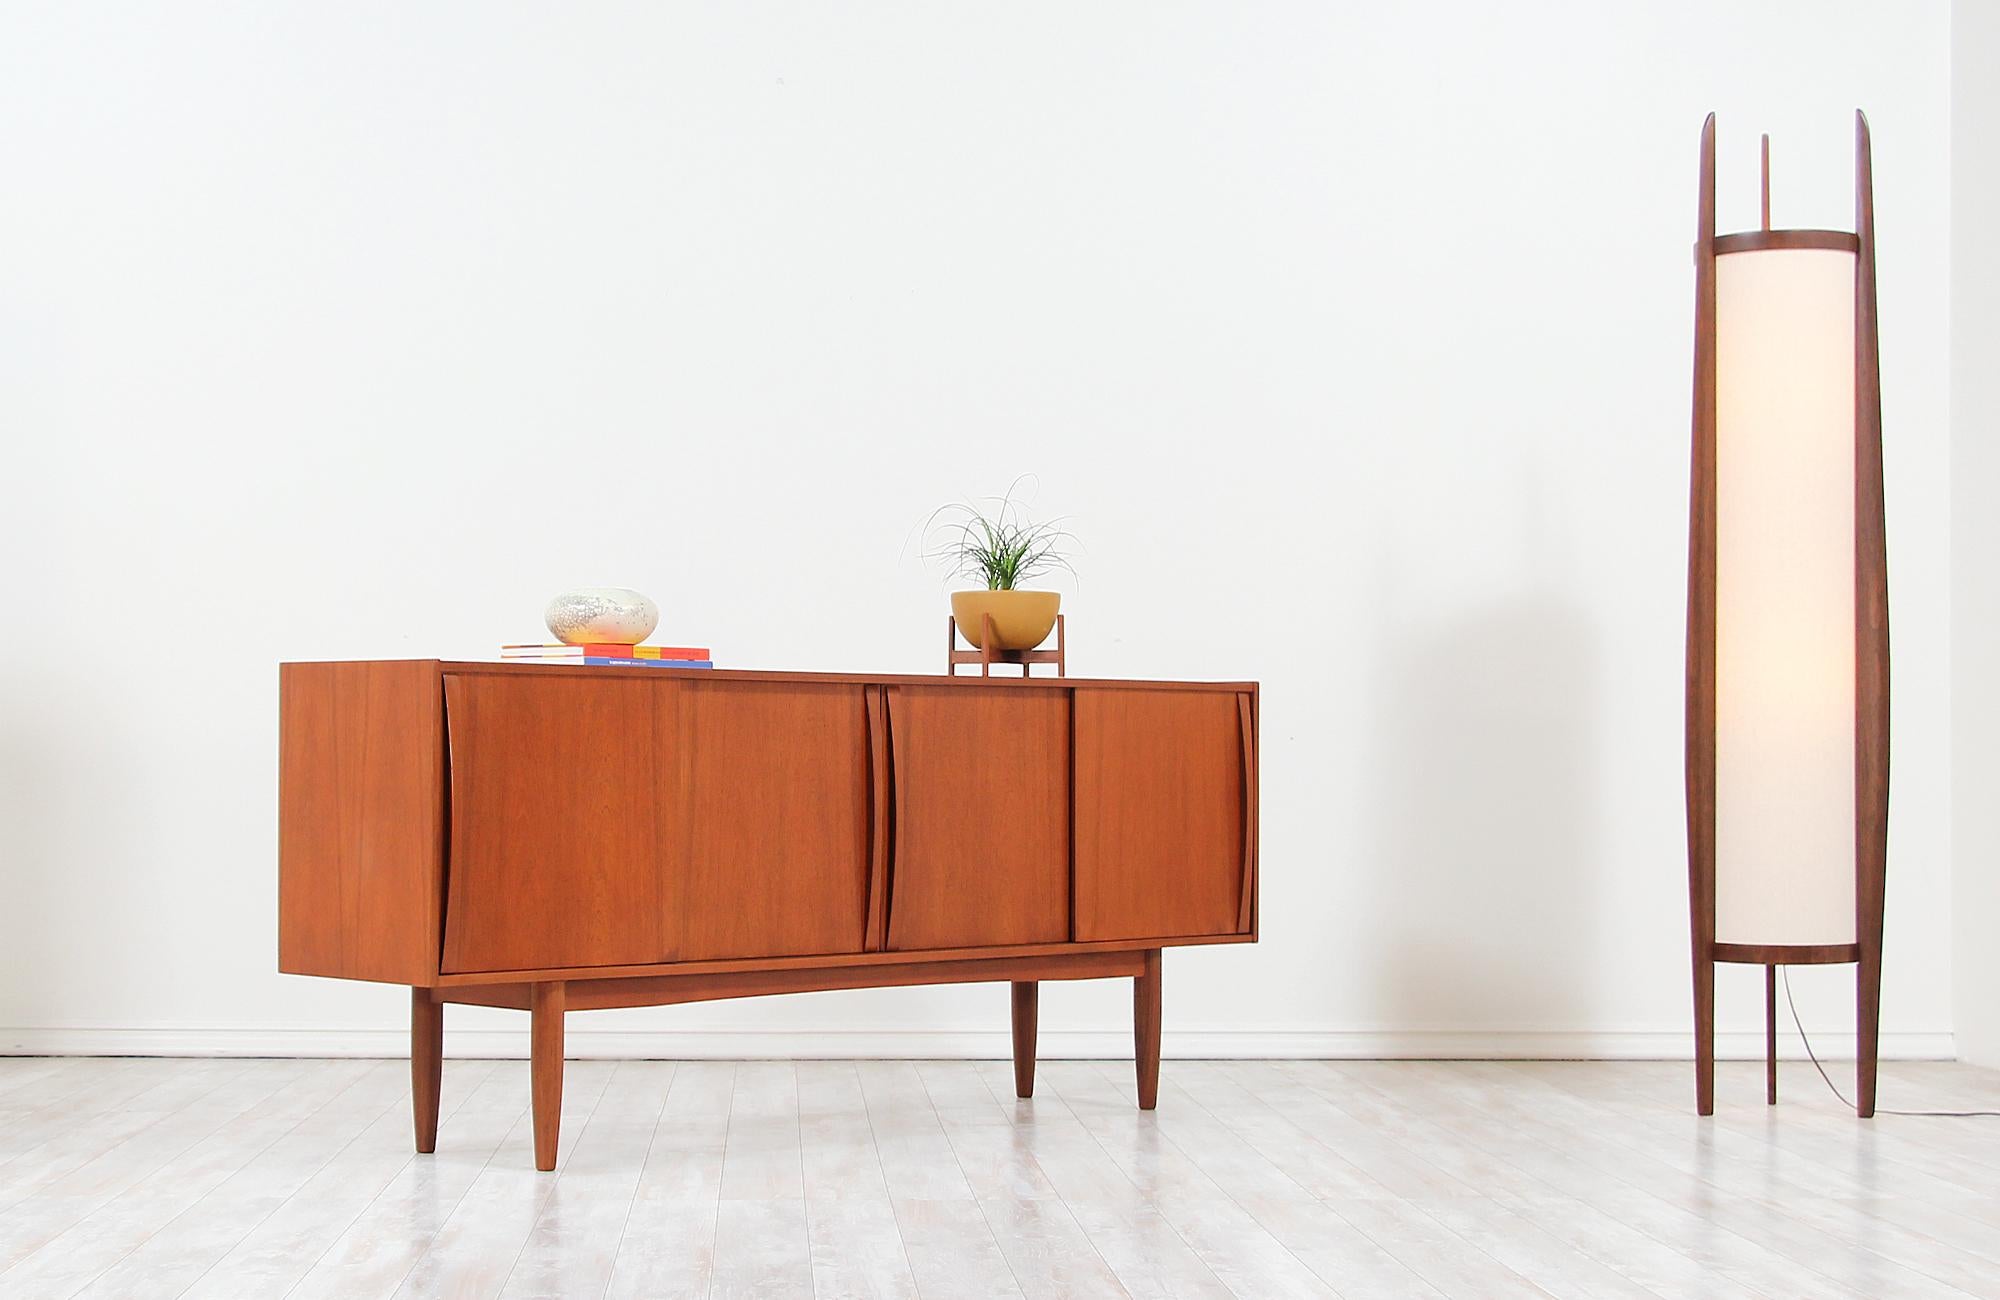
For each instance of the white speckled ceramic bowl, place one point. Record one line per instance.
(611, 615)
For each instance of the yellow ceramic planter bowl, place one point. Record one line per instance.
(1022, 620)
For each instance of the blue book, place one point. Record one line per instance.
(648, 663)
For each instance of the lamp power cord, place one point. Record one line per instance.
(1835, 1088)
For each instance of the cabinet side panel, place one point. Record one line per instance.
(1162, 796)
(360, 820)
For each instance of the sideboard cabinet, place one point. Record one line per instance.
(556, 839)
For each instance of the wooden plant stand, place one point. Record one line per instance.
(987, 655)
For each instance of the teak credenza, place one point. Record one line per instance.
(559, 839)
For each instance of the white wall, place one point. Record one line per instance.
(1975, 541)
(359, 330)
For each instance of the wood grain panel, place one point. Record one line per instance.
(773, 819)
(360, 820)
(982, 812)
(556, 826)
(1161, 845)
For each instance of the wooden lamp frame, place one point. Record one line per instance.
(1871, 641)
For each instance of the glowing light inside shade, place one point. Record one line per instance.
(1784, 678)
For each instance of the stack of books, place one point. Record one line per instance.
(611, 655)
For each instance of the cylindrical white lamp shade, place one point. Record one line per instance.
(1784, 597)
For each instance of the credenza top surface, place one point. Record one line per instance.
(1011, 681)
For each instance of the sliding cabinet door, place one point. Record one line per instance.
(1165, 822)
(982, 806)
(772, 831)
(556, 816)
(611, 820)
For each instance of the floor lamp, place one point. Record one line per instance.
(1788, 620)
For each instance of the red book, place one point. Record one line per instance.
(644, 652)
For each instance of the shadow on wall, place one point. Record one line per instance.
(1484, 795)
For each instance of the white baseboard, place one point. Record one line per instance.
(968, 1044)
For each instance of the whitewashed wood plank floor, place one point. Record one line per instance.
(137, 1177)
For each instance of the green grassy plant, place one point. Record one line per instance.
(992, 541)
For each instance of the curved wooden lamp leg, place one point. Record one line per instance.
(1701, 628)
(545, 1064)
(426, 1065)
(1871, 635)
(1026, 998)
(1146, 1029)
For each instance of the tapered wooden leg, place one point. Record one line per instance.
(1146, 1029)
(1868, 1024)
(1704, 1036)
(1027, 994)
(426, 1065)
(545, 1064)
(1770, 1035)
